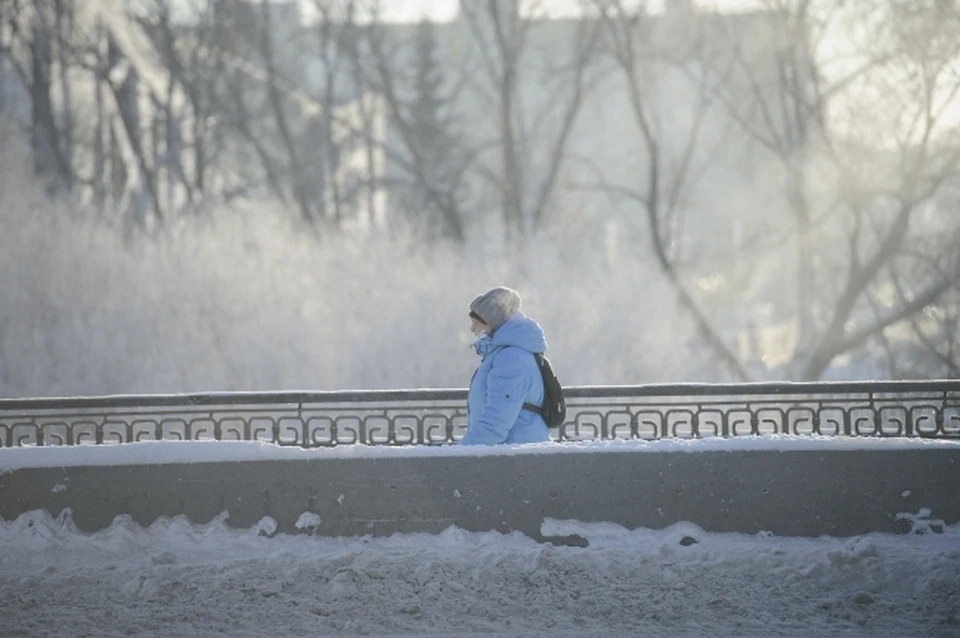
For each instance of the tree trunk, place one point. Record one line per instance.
(277, 100)
(3, 60)
(798, 202)
(42, 131)
(512, 200)
(99, 153)
(505, 22)
(118, 167)
(64, 27)
(127, 98)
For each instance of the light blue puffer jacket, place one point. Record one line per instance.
(507, 378)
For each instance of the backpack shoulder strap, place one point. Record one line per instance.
(532, 407)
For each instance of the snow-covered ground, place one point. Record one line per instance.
(180, 579)
(176, 578)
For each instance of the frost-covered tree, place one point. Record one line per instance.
(432, 125)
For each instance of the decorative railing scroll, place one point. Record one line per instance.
(436, 417)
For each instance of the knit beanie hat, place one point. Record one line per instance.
(496, 306)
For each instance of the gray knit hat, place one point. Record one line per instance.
(496, 306)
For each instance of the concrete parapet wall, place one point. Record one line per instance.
(787, 493)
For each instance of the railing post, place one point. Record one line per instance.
(877, 420)
(391, 431)
(304, 428)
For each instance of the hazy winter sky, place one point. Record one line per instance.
(443, 10)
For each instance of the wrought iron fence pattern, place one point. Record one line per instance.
(438, 417)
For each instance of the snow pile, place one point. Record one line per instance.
(177, 578)
(308, 522)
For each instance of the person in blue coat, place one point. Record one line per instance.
(508, 375)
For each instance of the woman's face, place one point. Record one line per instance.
(477, 327)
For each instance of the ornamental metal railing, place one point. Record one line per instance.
(438, 417)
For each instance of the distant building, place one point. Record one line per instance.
(724, 166)
(606, 131)
(243, 21)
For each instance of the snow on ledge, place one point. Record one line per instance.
(164, 452)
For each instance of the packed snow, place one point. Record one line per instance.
(180, 579)
(151, 452)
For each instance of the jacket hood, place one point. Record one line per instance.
(522, 332)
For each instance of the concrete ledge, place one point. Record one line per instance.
(788, 493)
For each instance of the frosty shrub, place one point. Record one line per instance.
(243, 299)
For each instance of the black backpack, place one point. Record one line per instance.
(554, 409)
